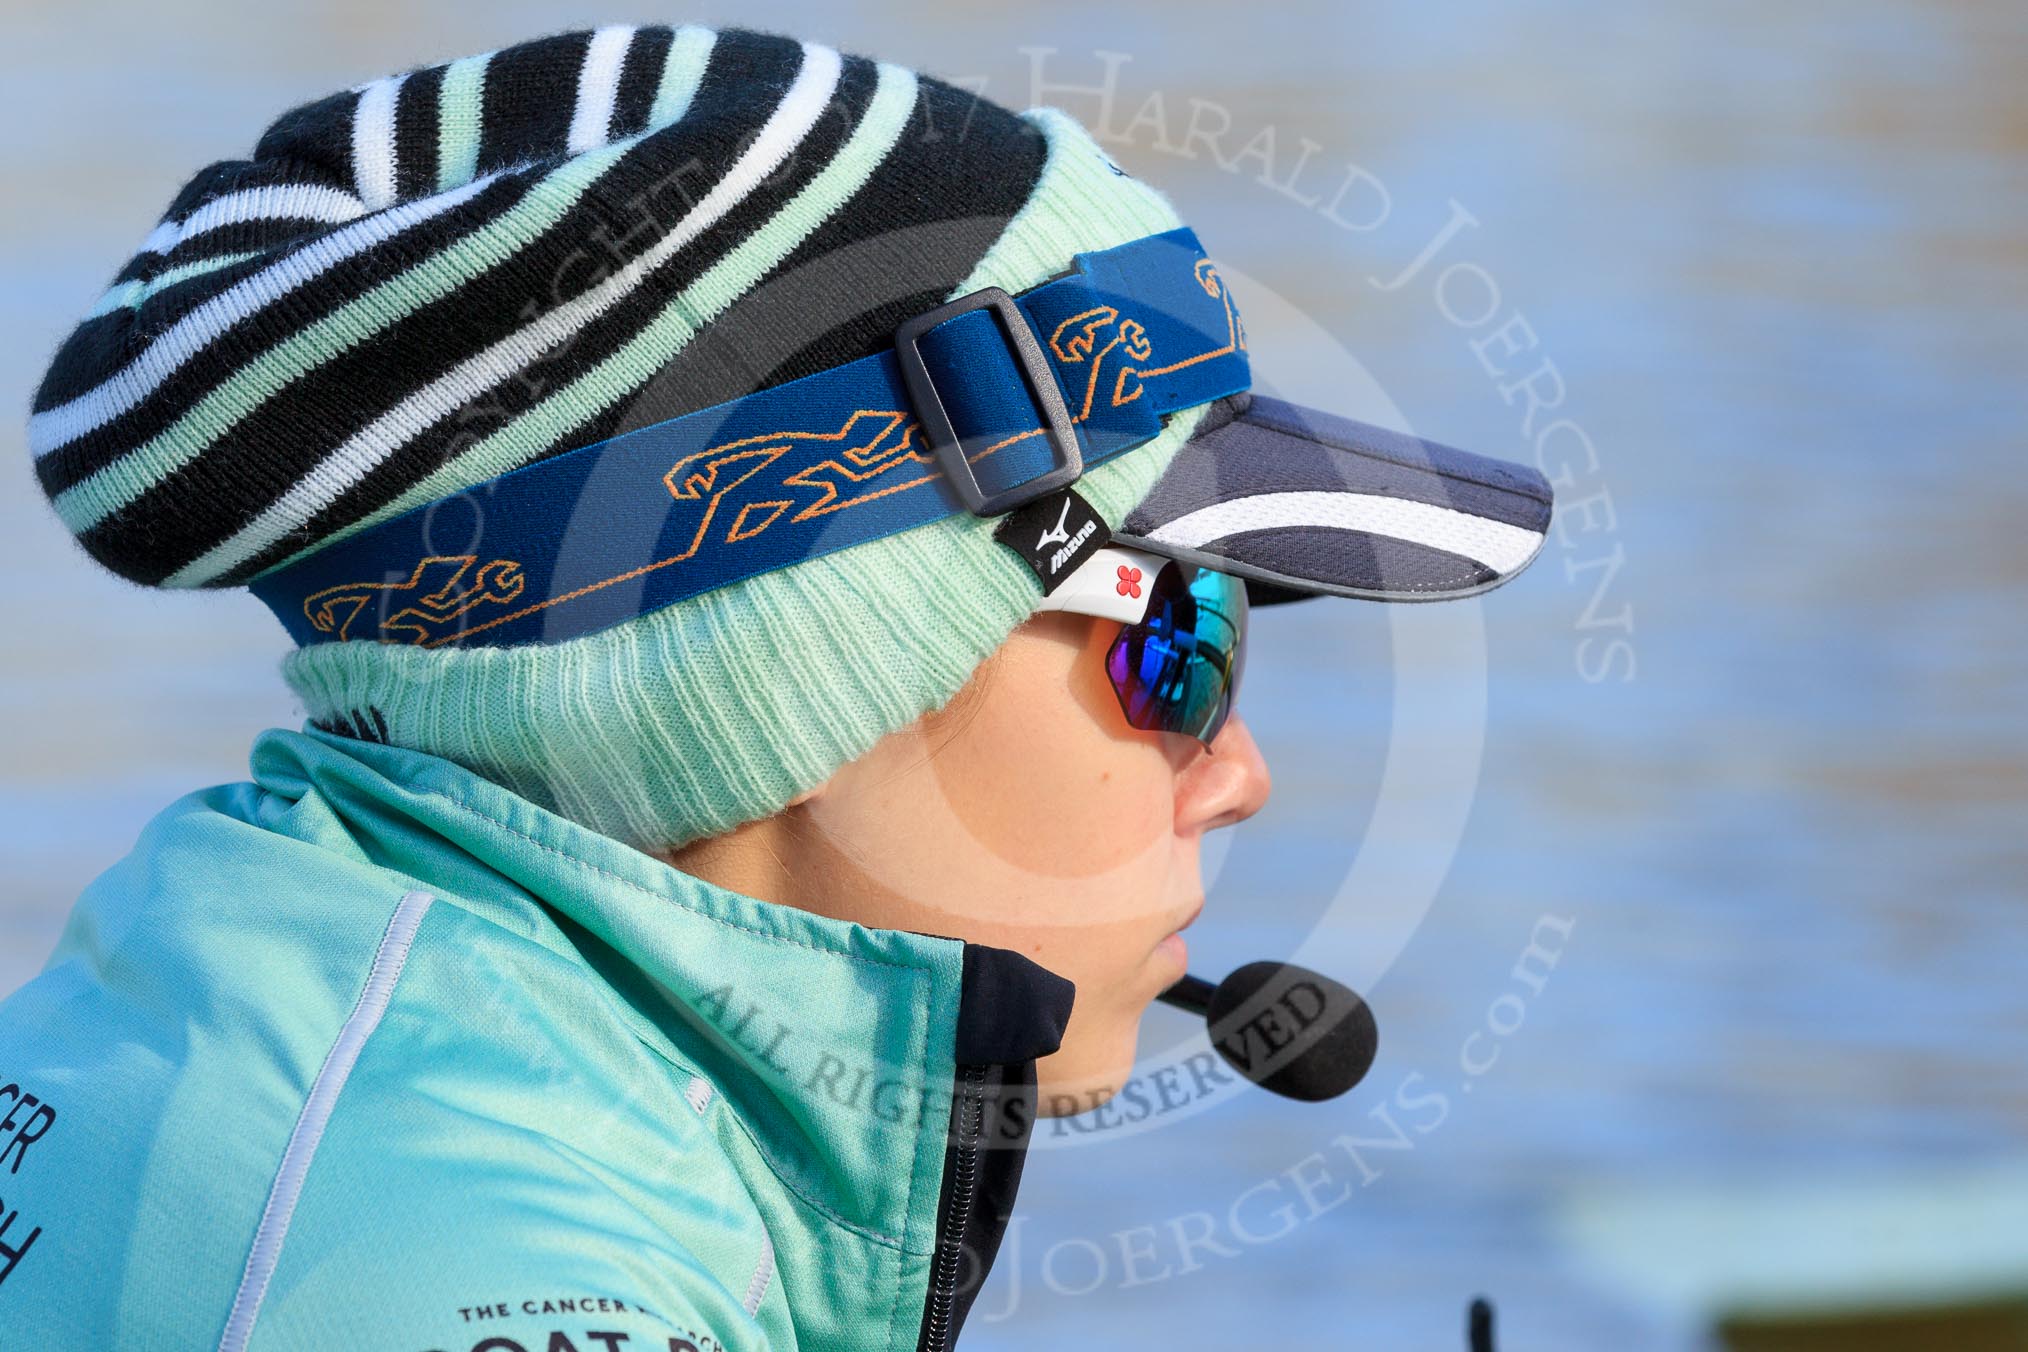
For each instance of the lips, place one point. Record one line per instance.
(1172, 944)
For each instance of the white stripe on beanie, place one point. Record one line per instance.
(598, 86)
(273, 201)
(373, 142)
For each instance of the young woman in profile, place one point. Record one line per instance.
(768, 538)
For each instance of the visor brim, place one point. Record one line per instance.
(1304, 503)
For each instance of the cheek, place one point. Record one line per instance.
(1048, 778)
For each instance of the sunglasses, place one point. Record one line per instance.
(1177, 659)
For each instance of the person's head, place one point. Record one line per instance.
(555, 400)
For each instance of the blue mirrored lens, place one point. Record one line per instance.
(1178, 670)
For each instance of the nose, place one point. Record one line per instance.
(1228, 785)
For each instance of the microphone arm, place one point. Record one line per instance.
(1192, 994)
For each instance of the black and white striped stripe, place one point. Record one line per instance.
(81, 424)
(65, 412)
(438, 287)
(490, 387)
(456, 368)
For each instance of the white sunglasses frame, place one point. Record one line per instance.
(1093, 588)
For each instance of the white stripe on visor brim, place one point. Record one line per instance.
(1494, 545)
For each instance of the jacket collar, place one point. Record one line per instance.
(837, 1044)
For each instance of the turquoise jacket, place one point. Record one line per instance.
(371, 1054)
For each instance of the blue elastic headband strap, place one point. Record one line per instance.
(597, 536)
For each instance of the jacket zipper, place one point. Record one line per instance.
(969, 1117)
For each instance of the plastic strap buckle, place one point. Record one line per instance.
(938, 429)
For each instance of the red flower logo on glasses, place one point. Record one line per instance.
(1130, 581)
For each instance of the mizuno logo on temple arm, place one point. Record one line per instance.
(1058, 533)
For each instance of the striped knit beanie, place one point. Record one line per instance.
(431, 279)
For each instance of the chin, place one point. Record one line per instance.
(1077, 1078)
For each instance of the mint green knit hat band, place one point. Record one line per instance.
(719, 709)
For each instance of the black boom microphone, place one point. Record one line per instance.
(1286, 1028)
